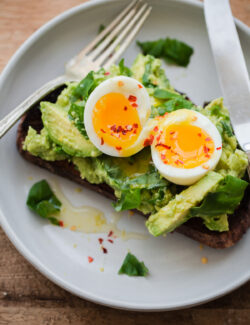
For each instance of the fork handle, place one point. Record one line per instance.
(10, 119)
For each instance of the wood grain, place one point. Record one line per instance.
(27, 297)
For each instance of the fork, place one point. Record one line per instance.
(103, 51)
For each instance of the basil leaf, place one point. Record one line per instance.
(132, 267)
(170, 49)
(224, 200)
(125, 71)
(42, 200)
(75, 113)
(84, 87)
(130, 199)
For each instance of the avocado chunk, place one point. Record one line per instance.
(64, 133)
(176, 212)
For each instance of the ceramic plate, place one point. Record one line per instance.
(177, 277)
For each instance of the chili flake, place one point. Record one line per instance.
(118, 148)
(208, 139)
(61, 224)
(125, 108)
(132, 98)
(102, 141)
(103, 131)
(149, 141)
(199, 134)
(105, 251)
(110, 233)
(163, 145)
(140, 86)
(90, 259)
(100, 240)
(106, 73)
(163, 157)
(111, 241)
(156, 128)
(134, 105)
(135, 125)
(218, 148)
(120, 83)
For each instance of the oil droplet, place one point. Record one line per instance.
(90, 220)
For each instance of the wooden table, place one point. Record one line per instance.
(26, 296)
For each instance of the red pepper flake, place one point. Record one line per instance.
(177, 162)
(134, 105)
(125, 108)
(206, 149)
(158, 138)
(163, 145)
(132, 98)
(61, 224)
(207, 156)
(100, 240)
(199, 134)
(105, 251)
(106, 73)
(111, 241)
(113, 128)
(110, 233)
(149, 141)
(180, 161)
(172, 132)
(208, 139)
(135, 131)
(118, 148)
(205, 166)
(103, 131)
(156, 128)
(135, 126)
(119, 129)
(163, 157)
(90, 259)
(140, 86)
(218, 148)
(102, 141)
(120, 83)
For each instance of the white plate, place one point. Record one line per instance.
(177, 277)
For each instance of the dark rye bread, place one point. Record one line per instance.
(239, 221)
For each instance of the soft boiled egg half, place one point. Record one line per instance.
(186, 146)
(116, 116)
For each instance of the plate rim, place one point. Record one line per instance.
(31, 258)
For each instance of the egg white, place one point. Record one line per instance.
(130, 87)
(183, 176)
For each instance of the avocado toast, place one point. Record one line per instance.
(57, 141)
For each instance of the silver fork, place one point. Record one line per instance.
(103, 51)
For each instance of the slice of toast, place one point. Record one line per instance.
(238, 222)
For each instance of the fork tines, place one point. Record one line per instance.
(109, 45)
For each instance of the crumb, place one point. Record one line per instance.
(74, 245)
(101, 269)
(204, 260)
(73, 228)
(30, 178)
(78, 189)
(131, 213)
(201, 247)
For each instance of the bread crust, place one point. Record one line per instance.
(239, 222)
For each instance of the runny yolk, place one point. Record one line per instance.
(116, 121)
(185, 146)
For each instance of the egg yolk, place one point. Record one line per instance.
(116, 121)
(184, 146)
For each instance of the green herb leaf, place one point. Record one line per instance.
(227, 127)
(175, 104)
(75, 113)
(125, 71)
(177, 51)
(84, 87)
(132, 267)
(170, 49)
(101, 28)
(165, 94)
(130, 199)
(224, 200)
(42, 200)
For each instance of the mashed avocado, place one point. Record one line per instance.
(136, 182)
